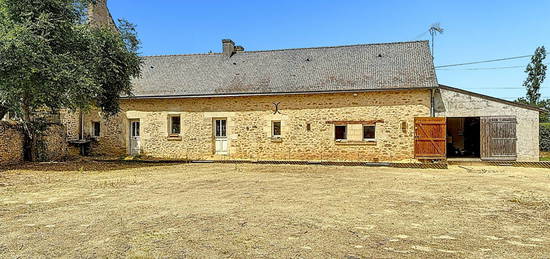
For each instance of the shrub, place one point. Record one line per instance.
(545, 137)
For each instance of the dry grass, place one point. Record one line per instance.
(210, 210)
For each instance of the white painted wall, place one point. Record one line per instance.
(449, 103)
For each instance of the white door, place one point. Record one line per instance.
(135, 145)
(220, 135)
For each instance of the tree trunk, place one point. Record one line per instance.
(30, 143)
(3, 111)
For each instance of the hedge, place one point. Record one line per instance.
(545, 137)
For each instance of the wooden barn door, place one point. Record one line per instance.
(498, 138)
(430, 138)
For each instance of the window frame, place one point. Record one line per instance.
(93, 132)
(171, 125)
(220, 128)
(345, 132)
(135, 128)
(369, 139)
(273, 135)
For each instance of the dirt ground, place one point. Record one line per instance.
(91, 209)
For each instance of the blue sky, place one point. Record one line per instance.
(474, 30)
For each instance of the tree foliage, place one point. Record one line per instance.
(536, 74)
(52, 59)
(544, 137)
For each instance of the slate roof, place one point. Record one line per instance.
(400, 65)
(494, 99)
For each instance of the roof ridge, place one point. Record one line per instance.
(179, 55)
(275, 50)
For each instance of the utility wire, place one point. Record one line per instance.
(484, 61)
(421, 35)
(481, 68)
(484, 68)
(494, 88)
(514, 98)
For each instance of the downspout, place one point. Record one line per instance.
(81, 125)
(432, 101)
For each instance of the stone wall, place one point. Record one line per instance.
(112, 140)
(11, 143)
(249, 126)
(54, 145)
(449, 103)
(99, 15)
(71, 121)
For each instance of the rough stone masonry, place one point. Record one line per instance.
(249, 126)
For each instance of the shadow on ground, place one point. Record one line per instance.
(80, 165)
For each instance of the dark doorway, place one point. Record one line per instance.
(463, 137)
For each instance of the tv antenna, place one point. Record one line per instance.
(434, 30)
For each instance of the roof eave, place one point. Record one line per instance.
(525, 106)
(273, 93)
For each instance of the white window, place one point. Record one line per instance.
(96, 129)
(175, 125)
(369, 132)
(340, 132)
(276, 129)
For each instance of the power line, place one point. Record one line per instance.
(421, 35)
(484, 61)
(513, 98)
(494, 88)
(483, 68)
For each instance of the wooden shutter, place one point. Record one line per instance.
(430, 138)
(498, 138)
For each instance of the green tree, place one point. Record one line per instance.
(52, 59)
(536, 73)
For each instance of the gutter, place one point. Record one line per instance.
(274, 93)
(80, 125)
(432, 101)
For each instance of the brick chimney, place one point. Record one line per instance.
(99, 15)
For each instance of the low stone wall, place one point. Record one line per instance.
(11, 143)
(54, 144)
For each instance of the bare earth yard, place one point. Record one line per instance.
(92, 209)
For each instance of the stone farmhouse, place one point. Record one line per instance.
(371, 102)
